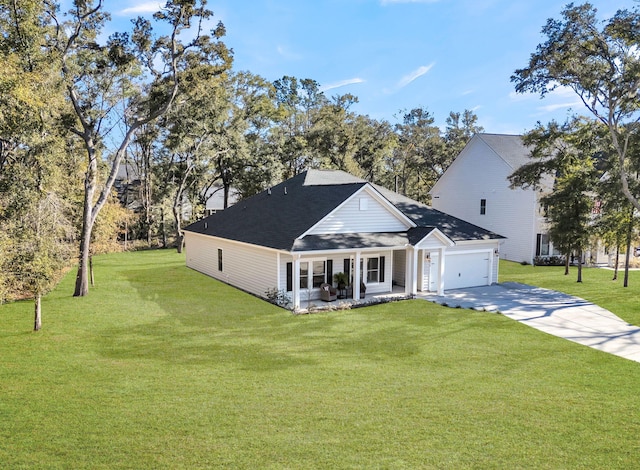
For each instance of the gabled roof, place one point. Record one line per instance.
(508, 147)
(277, 218)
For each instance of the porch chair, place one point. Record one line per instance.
(328, 293)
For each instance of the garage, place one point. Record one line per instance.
(467, 269)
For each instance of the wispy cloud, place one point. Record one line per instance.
(142, 7)
(341, 83)
(419, 72)
(556, 106)
(286, 53)
(393, 2)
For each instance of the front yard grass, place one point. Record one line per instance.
(163, 367)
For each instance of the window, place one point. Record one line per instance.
(219, 259)
(542, 244)
(304, 275)
(373, 266)
(375, 270)
(483, 206)
(319, 275)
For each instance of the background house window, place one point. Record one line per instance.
(219, 259)
(483, 206)
(542, 244)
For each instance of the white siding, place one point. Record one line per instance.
(250, 268)
(399, 267)
(479, 173)
(363, 213)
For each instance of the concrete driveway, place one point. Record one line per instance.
(553, 312)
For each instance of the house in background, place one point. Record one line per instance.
(295, 236)
(476, 188)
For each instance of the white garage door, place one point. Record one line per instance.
(466, 270)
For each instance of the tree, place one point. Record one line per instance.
(460, 128)
(565, 167)
(37, 172)
(599, 61)
(297, 103)
(420, 157)
(138, 74)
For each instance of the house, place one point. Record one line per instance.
(295, 236)
(476, 188)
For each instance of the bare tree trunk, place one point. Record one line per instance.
(567, 261)
(627, 259)
(177, 218)
(37, 324)
(628, 255)
(91, 270)
(615, 269)
(580, 265)
(163, 228)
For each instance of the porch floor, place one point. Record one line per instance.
(397, 293)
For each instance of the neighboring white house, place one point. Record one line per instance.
(298, 234)
(476, 188)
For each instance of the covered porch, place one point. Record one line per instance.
(376, 266)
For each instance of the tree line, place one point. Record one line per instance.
(163, 102)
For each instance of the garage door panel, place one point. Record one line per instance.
(466, 270)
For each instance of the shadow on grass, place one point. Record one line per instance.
(190, 318)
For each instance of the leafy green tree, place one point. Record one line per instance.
(37, 184)
(375, 144)
(565, 167)
(420, 157)
(297, 103)
(138, 74)
(599, 62)
(459, 130)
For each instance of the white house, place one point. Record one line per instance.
(295, 236)
(476, 188)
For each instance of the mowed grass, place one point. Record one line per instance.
(162, 367)
(597, 285)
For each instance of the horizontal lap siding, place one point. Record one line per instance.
(249, 268)
(480, 174)
(351, 219)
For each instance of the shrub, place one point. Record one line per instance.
(549, 261)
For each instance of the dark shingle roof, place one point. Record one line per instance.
(425, 216)
(276, 218)
(509, 147)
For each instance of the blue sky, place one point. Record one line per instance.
(445, 55)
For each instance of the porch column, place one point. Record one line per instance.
(296, 282)
(414, 271)
(440, 271)
(408, 259)
(356, 276)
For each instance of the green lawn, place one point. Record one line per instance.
(162, 367)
